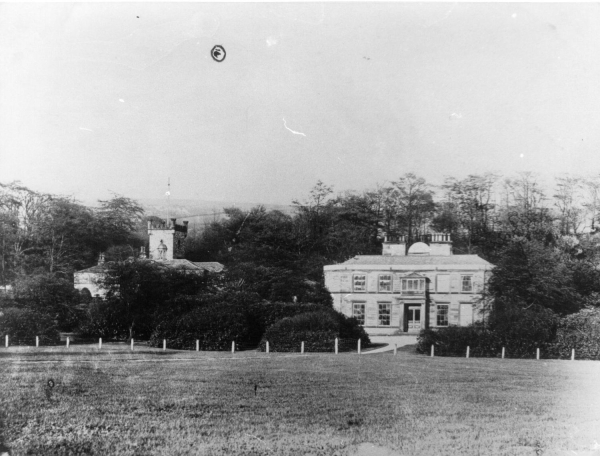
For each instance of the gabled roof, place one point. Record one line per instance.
(425, 260)
(97, 269)
(211, 266)
(179, 264)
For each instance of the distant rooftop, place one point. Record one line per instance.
(425, 260)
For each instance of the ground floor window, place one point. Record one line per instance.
(384, 313)
(442, 315)
(358, 312)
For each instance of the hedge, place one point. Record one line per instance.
(580, 331)
(23, 325)
(218, 321)
(214, 326)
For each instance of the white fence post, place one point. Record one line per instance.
(573, 355)
(67, 341)
(197, 345)
(6, 341)
(468, 348)
(502, 352)
(100, 343)
(336, 345)
(267, 346)
(302, 347)
(37, 341)
(359, 346)
(432, 350)
(164, 344)
(395, 349)
(132, 343)
(232, 347)
(537, 353)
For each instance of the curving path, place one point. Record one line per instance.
(390, 341)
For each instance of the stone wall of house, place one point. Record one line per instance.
(89, 280)
(443, 288)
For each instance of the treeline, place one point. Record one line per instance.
(543, 243)
(544, 247)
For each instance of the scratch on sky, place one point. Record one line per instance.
(295, 132)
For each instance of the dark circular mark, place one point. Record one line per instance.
(51, 383)
(218, 53)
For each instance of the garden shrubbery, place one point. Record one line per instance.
(580, 331)
(22, 325)
(318, 330)
(454, 340)
(521, 332)
(215, 326)
(217, 320)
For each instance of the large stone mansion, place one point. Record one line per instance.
(404, 291)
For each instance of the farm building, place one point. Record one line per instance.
(405, 291)
(165, 245)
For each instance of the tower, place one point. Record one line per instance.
(166, 239)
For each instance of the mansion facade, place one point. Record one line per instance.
(404, 291)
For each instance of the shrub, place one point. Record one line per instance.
(580, 331)
(215, 326)
(521, 332)
(454, 340)
(22, 325)
(262, 315)
(104, 319)
(318, 330)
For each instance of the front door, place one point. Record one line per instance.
(413, 318)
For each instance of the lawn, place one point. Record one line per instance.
(212, 403)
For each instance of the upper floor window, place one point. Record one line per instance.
(467, 284)
(359, 283)
(385, 283)
(413, 285)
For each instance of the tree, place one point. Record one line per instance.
(468, 210)
(529, 273)
(117, 221)
(567, 201)
(137, 291)
(524, 213)
(49, 294)
(414, 199)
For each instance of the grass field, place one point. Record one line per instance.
(211, 403)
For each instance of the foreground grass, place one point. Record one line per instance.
(210, 403)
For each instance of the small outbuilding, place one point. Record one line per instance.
(165, 245)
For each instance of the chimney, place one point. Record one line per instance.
(441, 244)
(394, 246)
(101, 259)
(173, 220)
(142, 253)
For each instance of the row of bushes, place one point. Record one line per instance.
(554, 337)
(285, 325)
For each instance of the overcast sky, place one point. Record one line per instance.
(121, 96)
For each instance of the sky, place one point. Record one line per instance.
(121, 97)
